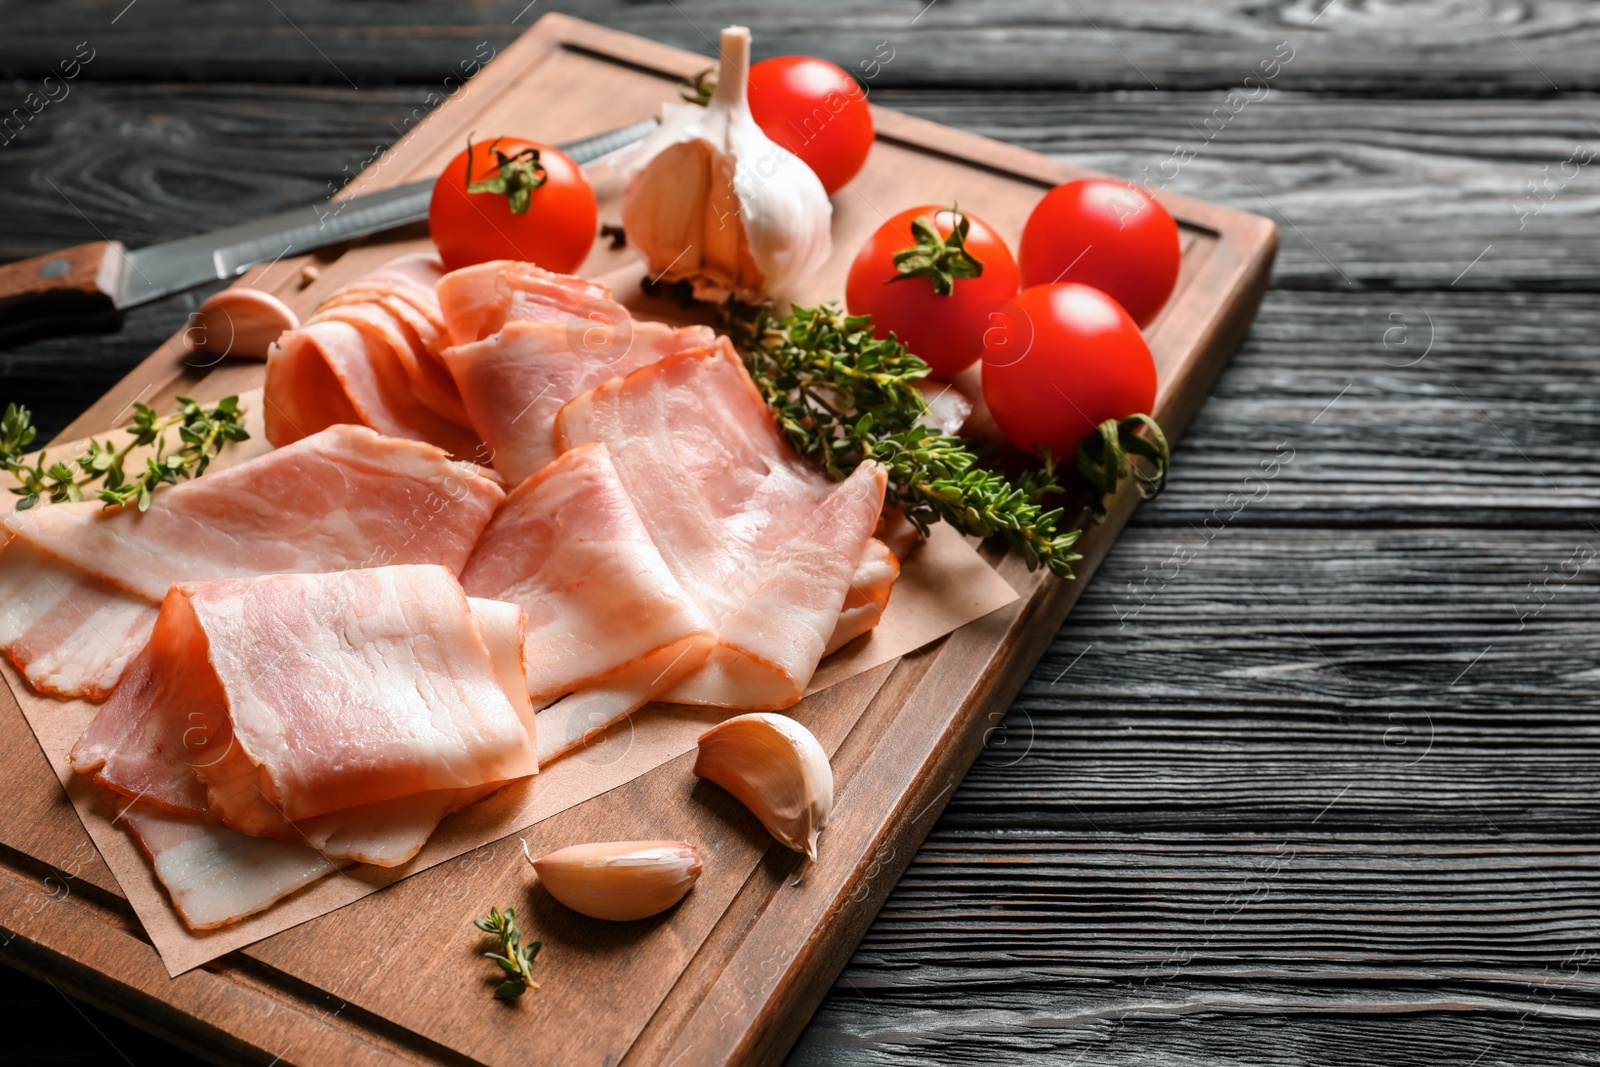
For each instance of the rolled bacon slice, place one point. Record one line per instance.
(569, 548)
(765, 545)
(79, 584)
(286, 698)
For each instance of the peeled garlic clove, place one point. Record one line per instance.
(777, 769)
(239, 322)
(711, 199)
(620, 880)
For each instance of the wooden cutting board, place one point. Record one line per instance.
(734, 973)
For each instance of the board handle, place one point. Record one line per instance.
(71, 291)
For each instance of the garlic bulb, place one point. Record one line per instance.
(713, 200)
(777, 769)
(620, 880)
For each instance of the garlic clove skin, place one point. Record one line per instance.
(240, 322)
(620, 880)
(777, 769)
(712, 200)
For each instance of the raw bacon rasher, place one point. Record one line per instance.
(345, 712)
(370, 356)
(215, 875)
(79, 583)
(569, 547)
(528, 341)
(317, 688)
(764, 543)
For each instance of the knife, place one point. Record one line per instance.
(84, 289)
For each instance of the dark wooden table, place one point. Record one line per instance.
(1308, 777)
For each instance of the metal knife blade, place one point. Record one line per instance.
(160, 270)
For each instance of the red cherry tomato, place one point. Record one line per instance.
(815, 110)
(1107, 234)
(554, 232)
(945, 331)
(1058, 360)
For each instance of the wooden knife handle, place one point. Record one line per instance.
(70, 291)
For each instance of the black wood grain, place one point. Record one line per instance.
(1470, 48)
(1435, 680)
(1308, 776)
(1400, 409)
(1255, 1024)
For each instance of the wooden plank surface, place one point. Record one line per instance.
(1437, 47)
(1407, 539)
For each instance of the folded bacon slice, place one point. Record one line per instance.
(478, 301)
(79, 584)
(410, 280)
(348, 712)
(515, 382)
(370, 355)
(405, 289)
(764, 544)
(527, 341)
(386, 834)
(769, 645)
(393, 324)
(158, 723)
(569, 547)
(868, 597)
(571, 723)
(335, 370)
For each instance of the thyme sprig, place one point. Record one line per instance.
(515, 959)
(841, 395)
(202, 432)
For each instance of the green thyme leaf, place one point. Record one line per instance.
(514, 958)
